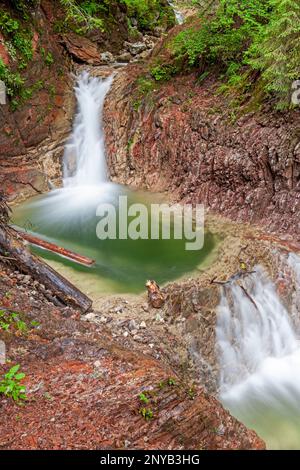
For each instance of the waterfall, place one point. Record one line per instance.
(259, 357)
(84, 157)
(178, 15)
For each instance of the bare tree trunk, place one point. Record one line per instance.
(13, 246)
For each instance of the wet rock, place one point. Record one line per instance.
(82, 49)
(132, 325)
(91, 316)
(107, 58)
(124, 57)
(135, 48)
(155, 296)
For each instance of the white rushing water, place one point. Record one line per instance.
(259, 357)
(85, 182)
(178, 15)
(84, 158)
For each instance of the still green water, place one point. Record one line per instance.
(68, 218)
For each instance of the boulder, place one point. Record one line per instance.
(82, 49)
(107, 58)
(135, 48)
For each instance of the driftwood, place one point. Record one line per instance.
(56, 249)
(63, 291)
(235, 277)
(155, 297)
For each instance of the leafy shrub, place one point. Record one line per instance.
(148, 13)
(12, 80)
(245, 37)
(276, 53)
(82, 15)
(162, 72)
(10, 385)
(223, 37)
(7, 23)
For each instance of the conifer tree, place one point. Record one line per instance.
(277, 51)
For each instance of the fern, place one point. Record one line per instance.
(277, 53)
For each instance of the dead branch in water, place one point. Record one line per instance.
(33, 240)
(235, 277)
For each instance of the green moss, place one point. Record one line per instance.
(149, 14)
(163, 72)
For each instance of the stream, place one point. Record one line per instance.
(259, 355)
(67, 216)
(258, 349)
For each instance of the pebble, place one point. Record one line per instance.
(90, 316)
(151, 345)
(134, 332)
(138, 338)
(143, 325)
(132, 325)
(125, 334)
(97, 364)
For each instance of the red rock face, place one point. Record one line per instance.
(83, 390)
(182, 139)
(41, 121)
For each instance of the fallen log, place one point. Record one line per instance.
(33, 240)
(12, 244)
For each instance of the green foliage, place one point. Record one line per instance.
(81, 16)
(148, 13)
(146, 413)
(18, 42)
(145, 86)
(12, 80)
(243, 38)
(12, 321)
(10, 385)
(276, 54)
(47, 56)
(143, 398)
(23, 6)
(171, 382)
(163, 72)
(23, 43)
(7, 23)
(223, 37)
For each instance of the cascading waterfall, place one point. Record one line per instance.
(86, 147)
(178, 15)
(85, 180)
(259, 356)
(68, 216)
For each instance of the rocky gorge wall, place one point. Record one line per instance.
(36, 121)
(182, 138)
(33, 128)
